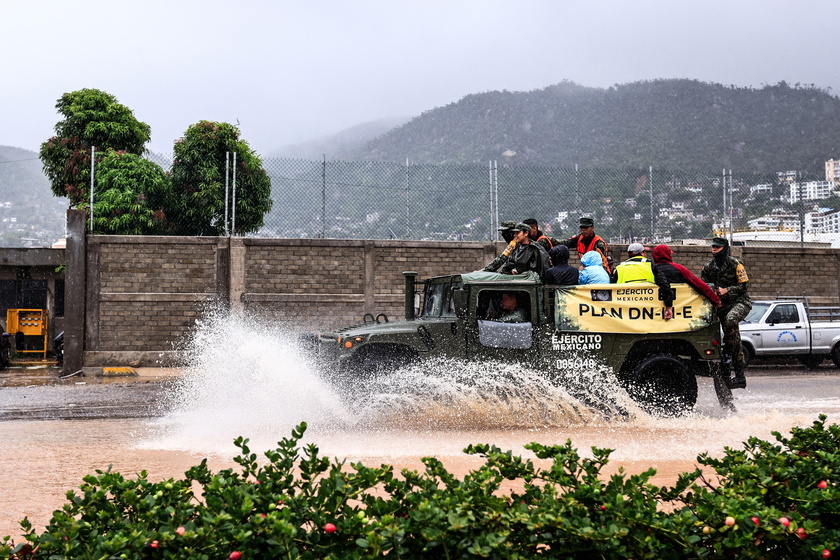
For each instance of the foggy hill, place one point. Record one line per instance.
(342, 142)
(677, 124)
(30, 216)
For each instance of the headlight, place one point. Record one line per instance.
(350, 341)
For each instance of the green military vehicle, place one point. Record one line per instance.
(558, 329)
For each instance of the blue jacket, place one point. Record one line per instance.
(594, 273)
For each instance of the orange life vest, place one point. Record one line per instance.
(583, 249)
(547, 240)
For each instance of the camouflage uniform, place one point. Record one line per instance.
(725, 271)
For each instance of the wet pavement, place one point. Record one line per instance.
(39, 393)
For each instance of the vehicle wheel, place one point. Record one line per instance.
(382, 358)
(748, 353)
(835, 355)
(811, 361)
(662, 385)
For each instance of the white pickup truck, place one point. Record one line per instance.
(788, 327)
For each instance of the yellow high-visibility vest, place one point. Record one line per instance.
(635, 269)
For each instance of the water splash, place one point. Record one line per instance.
(246, 377)
(460, 394)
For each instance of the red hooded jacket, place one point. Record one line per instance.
(662, 257)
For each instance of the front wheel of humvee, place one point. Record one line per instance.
(662, 385)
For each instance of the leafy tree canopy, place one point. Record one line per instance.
(198, 181)
(131, 194)
(91, 118)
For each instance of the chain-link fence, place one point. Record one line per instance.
(380, 200)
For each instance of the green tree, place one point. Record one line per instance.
(91, 118)
(198, 181)
(131, 194)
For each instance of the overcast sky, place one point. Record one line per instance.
(290, 71)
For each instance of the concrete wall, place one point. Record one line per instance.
(143, 294)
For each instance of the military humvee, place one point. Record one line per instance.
(559, 328)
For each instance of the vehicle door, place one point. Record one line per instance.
(753, 324)
(497, 331)
(439, 326)
(785, 330)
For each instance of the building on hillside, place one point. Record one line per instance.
(811, 190)
(823, 220)
(761, 189)
(777, 220)
(677, 210)
(787, 176)
(832, 172)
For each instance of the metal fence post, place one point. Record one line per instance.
(227, 191)
(650, 185)
(233, 201)
(324, 198)
(731, 208)
(494, 203)
(407, 203)
(92, 177)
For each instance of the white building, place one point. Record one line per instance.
(811, 190)
(832, 171)
(776, 221)
(786, 176)
(825, 220)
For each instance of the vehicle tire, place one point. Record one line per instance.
(835, 356)
(811, 361)
(662, 385)
(382, 358)
(749, 354)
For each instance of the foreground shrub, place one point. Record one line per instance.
(767, 500)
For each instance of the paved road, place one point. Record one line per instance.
(43, 396)
(52, 402)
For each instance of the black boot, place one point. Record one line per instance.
(739, 381)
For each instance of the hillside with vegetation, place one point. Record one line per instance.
(673, 124)
(30, 216)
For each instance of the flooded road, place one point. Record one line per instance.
(54, 434)
(246, 379)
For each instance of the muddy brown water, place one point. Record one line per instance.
(54, 432)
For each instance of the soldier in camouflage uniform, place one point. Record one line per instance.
(729, 280)
(507, 229)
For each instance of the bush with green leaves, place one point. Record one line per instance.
(132, 193)
(767, 500)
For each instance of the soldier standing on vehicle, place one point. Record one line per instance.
(587, 241)
(728, 278)
(507, 230)
(527, 256)
(538, 236)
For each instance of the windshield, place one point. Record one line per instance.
(757, 312)
(438, 301)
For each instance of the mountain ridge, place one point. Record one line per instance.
(677, 123)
